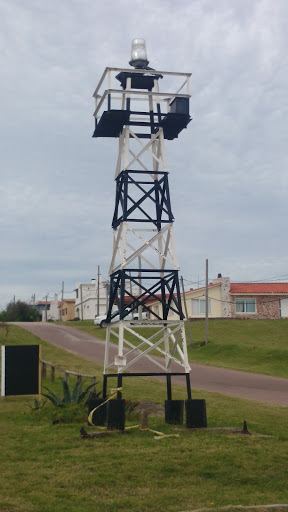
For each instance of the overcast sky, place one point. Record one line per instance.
(228, 170)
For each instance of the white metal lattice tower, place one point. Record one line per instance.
(143, 266)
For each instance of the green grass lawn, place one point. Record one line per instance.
(47, 467)
(259, 346)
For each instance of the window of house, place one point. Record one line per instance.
(76, 293)
(199, 306)
(156, 310)
(245, 305)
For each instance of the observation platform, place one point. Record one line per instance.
(118, 107)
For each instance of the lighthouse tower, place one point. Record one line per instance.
(144, 274)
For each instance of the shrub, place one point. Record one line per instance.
(76, 396)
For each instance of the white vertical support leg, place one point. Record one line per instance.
(120, 153)
(184, 347)
(121, 342)
(161, 259)
(140, 309)
(123, 244)
(116, 250)
(155, 162)
(155, 149)
(167, 350)
(172, 247)
(162, 150)
(126, 146)
(120, 360)
(126, 128)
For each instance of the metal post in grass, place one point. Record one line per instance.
(93, 381)
(43, 370)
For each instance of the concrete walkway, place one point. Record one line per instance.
(229, 382)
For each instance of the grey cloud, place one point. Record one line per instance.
(228, 175)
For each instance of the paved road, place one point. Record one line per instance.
(209, 378)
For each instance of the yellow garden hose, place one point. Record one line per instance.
(159, 435)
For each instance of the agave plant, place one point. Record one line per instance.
(37, 405)
(69, 397)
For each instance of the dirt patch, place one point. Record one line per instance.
(150, 407)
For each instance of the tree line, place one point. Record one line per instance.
(19, 311)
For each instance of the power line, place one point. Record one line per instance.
(262, 280)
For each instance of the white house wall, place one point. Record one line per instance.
(52, 312)
(214, 295)
(226, 306)
(88, 309)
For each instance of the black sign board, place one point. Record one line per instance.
(20, 373)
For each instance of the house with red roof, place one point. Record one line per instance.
(48, 309)
(259, 300)
(235, 300)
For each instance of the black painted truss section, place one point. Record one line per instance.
(112, 123)
(154, 193)
(160, 286)
(138, 81)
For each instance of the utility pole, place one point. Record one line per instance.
(62, 296)
(186, 312)
(206, 305)
(107, 296)
(46, 299)
(98, 291)
(81, 298)
(140, 308)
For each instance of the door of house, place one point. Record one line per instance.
(284, 308)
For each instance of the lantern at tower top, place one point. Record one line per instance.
(139, 54)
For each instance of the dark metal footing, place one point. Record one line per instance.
(174, 412)
(195, 413)
(104, 391)
(99, 417)
(116, 414)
